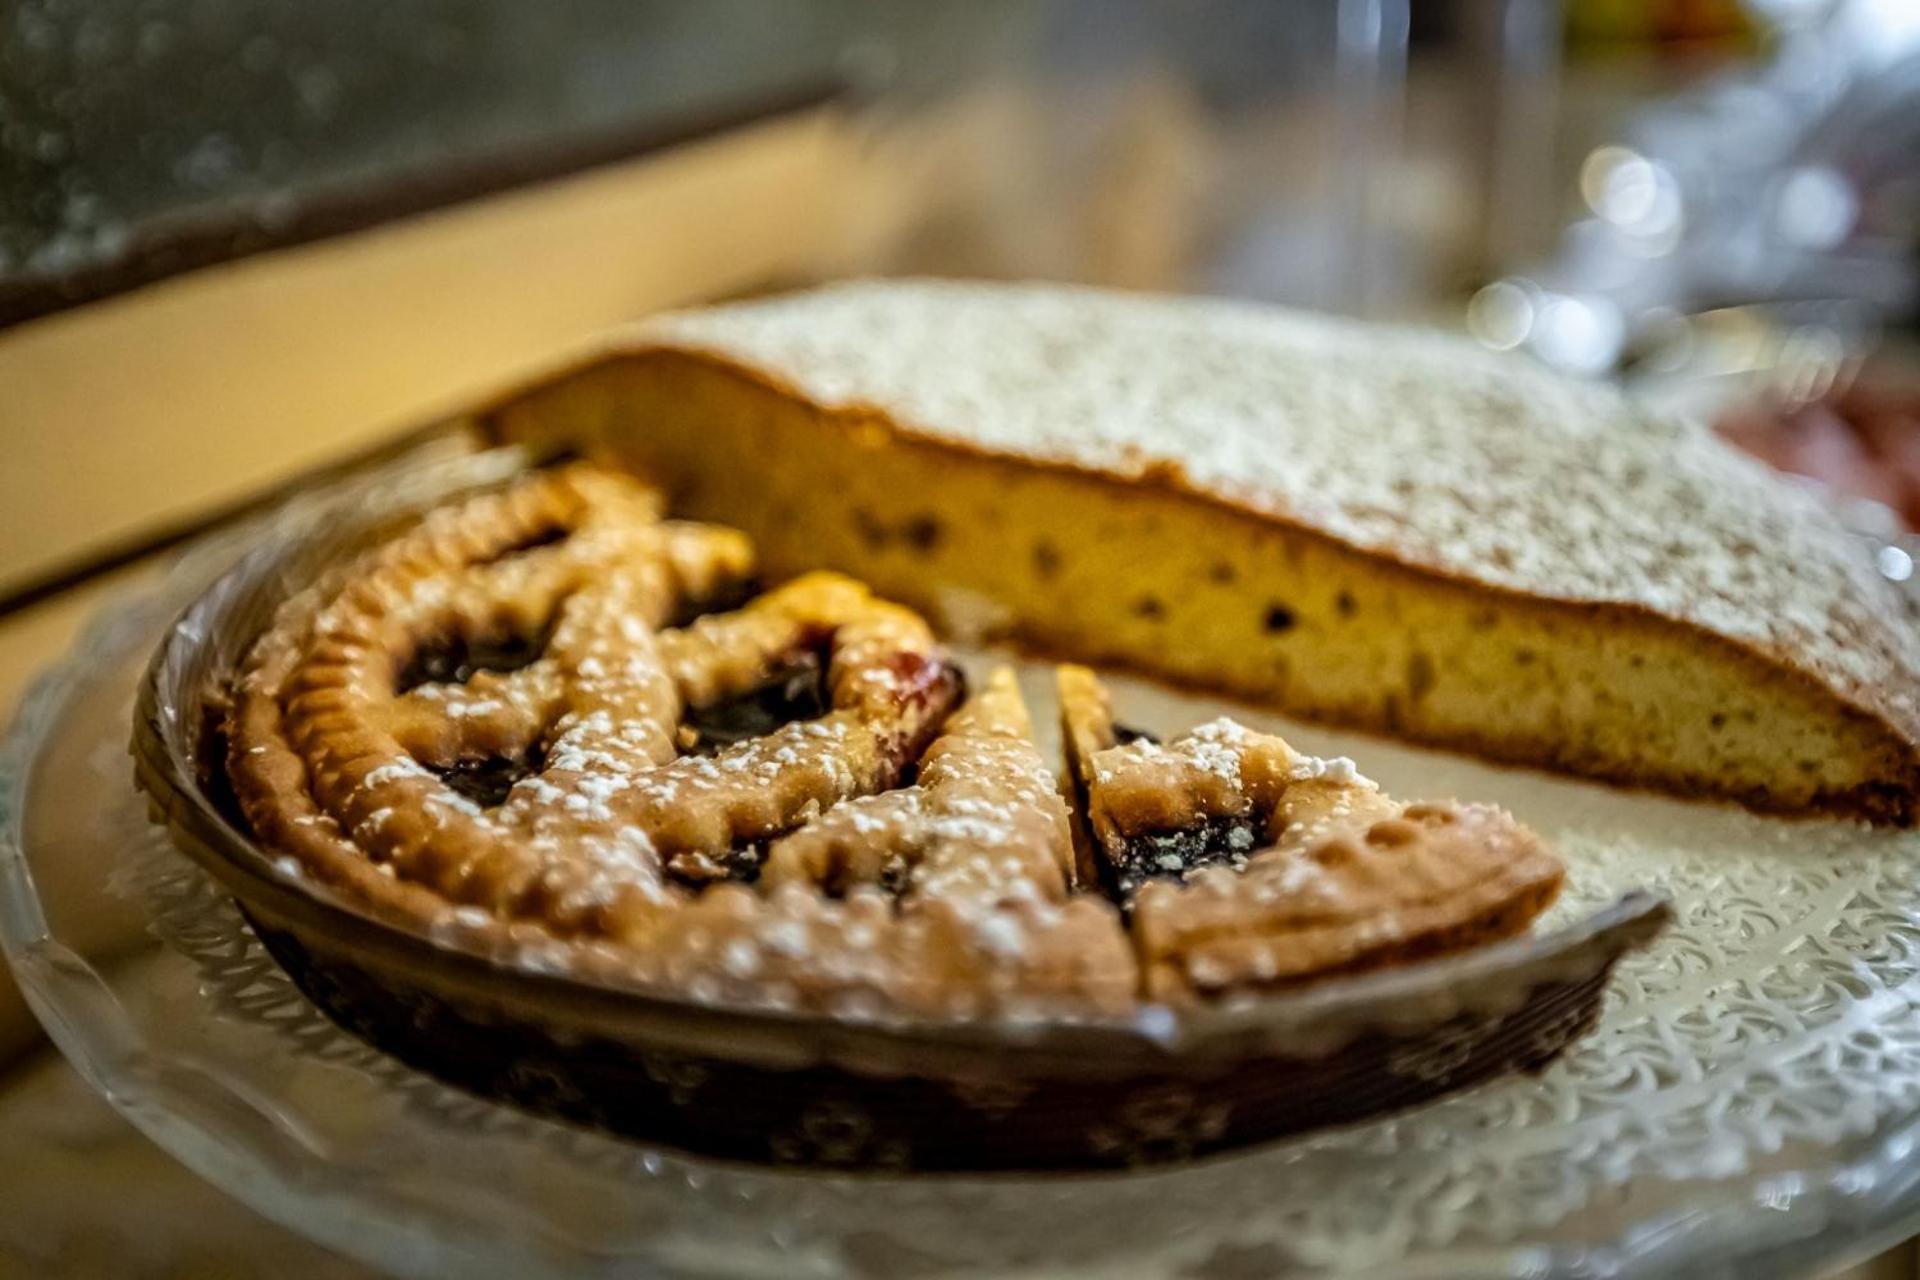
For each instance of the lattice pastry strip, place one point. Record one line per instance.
(949, 898)
(984, 822)
(1248, 865)
(500, 613)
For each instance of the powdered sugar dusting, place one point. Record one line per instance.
(1338, 769)
(1564, 490)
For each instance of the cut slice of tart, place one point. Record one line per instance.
(1369, 526)
(1248, 866)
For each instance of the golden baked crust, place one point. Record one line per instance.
(1370, 526)
(491, 719)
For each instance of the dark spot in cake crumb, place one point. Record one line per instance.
(1046, 559)
(1345, 605)
(1279, 618)
(1419, 675)
(1523, 657)
(1717, 720)
(923, 533)
(871, 531)
(1221, 571)
(1150, 607)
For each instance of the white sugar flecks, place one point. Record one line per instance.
(394, 771)
(1337, 769)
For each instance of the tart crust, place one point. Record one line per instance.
(1315, 871)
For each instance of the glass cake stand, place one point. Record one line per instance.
(1749, 1107)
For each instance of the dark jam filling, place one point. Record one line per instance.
(725, 600)
(1170, 855)
(456, 660)
(795, 692)
(487, 782)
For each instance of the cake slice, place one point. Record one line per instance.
(1247, 866)
(1368, 526)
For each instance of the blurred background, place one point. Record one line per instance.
(242, 240)
(245, 237)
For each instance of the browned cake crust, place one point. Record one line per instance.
(492, 723)
(1374, 527)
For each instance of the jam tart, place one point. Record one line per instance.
(553, 711)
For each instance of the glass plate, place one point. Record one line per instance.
(1749, 1106)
